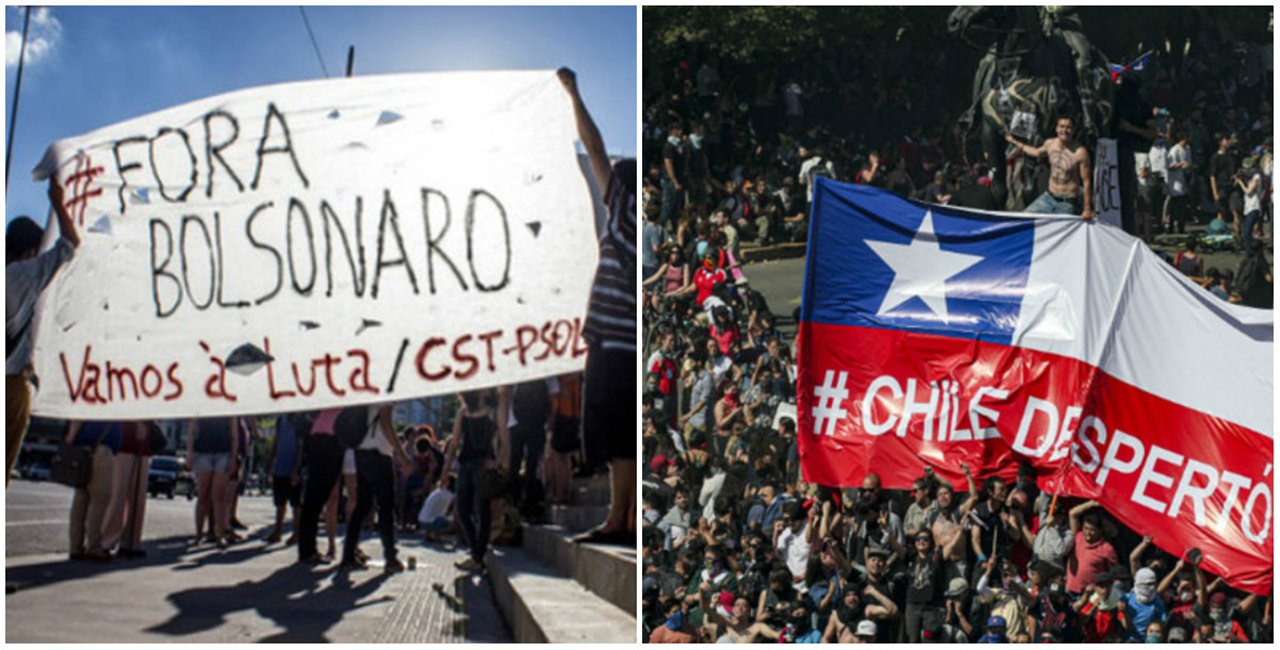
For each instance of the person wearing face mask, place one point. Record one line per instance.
(705, 278)
(873, 588)
(715, 573)
(1098, 607)
(674, 168)
(1143, 605)
(843, 622)
(1226, 619)
(1154, 633)
(1006, 596)
(677, 628)
(996, 628)
(1188, 596)
(801, 628)
(1054, 615)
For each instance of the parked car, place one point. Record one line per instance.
(39, 472)
(168, 477)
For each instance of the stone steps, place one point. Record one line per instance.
(577, 518)
(543, 605)
(607, 571)
(551, 590)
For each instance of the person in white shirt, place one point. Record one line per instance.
(435, 516)
(792, 539)
(1177, 207)
(1249, 180)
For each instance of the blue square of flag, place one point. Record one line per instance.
(878, 260)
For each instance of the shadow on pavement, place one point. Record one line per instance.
(292, 597)
(165, 551)
(175, 551)
(482, 622)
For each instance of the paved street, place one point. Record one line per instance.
(250, 592)
(37, 513)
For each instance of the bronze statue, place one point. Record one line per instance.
(1037, 65)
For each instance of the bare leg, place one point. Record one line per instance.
(331, 520)
(622, 475)
(221, 508)
(204, 488)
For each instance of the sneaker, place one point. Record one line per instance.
(469, 565)
(361, 555)
(393, 566)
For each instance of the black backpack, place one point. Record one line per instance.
(352, 426)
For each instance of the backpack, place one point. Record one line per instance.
(352, 426)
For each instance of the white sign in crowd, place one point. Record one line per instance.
(312, 244)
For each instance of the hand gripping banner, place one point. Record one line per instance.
(938, 336)
(311, 244)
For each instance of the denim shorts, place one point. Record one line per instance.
(207, 463)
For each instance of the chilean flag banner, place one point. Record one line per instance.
(935, 336)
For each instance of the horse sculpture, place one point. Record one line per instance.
(1036, 62)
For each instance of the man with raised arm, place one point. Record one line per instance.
(1070, 173)
(609, 403)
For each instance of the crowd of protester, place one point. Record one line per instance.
(477, 483)
(732, 150)
(736, 546)
(419, 481)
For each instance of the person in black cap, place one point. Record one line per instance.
(792, 537)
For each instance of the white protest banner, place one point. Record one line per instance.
(312, 244)
(1106, 183)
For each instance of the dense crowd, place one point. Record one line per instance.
(736, 546)
(731, 150)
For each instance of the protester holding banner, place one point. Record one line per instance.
(375, 472)
(26, 273)
(124, 519)
(608, 416)
(89, 506)
(213, 446)
(324, 465)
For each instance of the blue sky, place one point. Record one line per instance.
(89, 67)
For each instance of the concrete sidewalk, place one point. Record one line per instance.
(248, 593)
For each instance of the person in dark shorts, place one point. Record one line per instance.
(285, 462)
(609, 405)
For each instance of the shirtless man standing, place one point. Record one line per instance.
(1070, 175)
